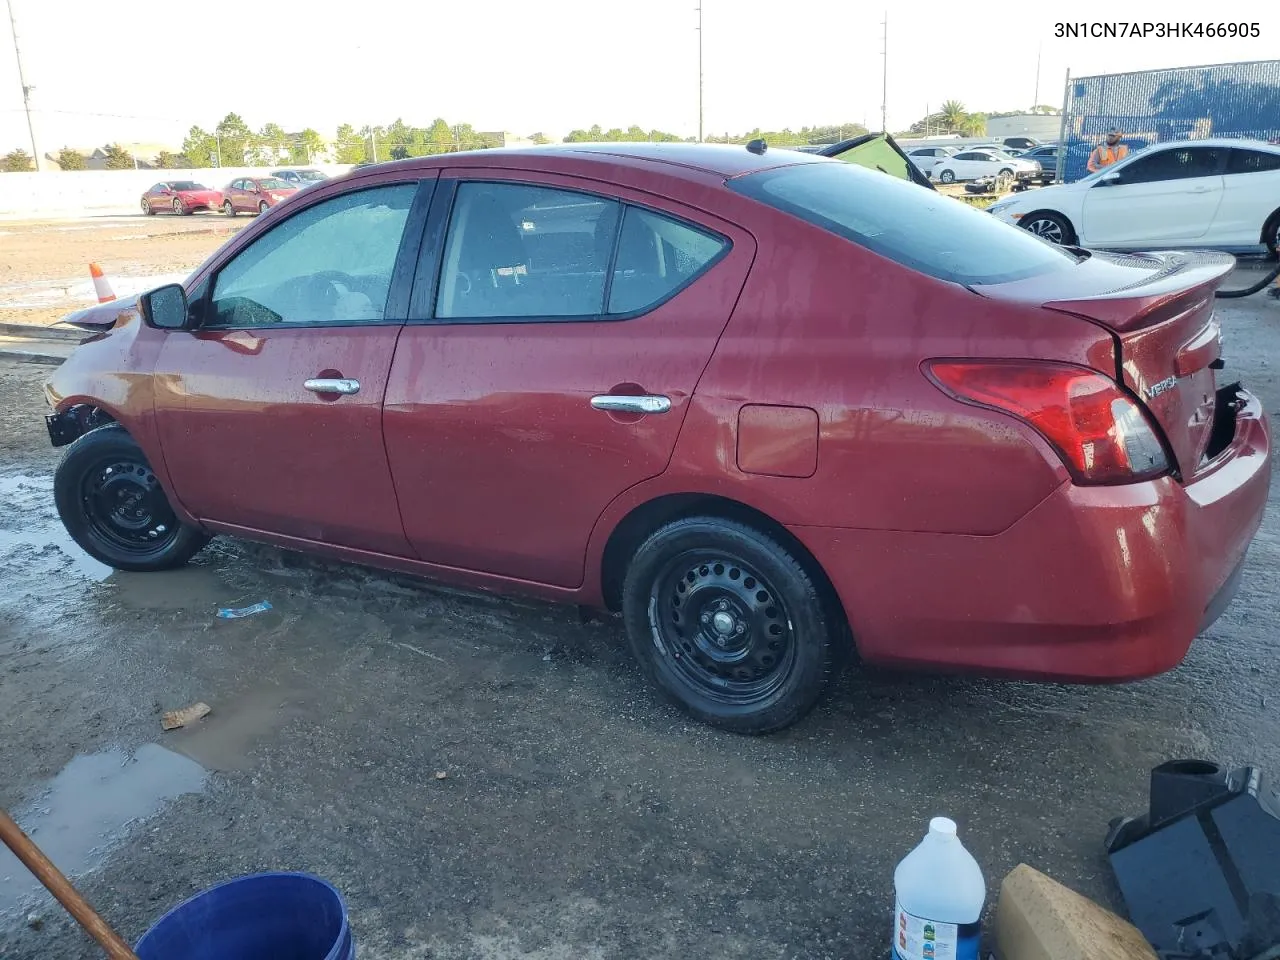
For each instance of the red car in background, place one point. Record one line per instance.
(255, 194)
(181, 196)
(770, 406)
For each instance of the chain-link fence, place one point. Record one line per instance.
(1187, 103)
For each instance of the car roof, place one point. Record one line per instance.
(724, 160)
(1218, 142)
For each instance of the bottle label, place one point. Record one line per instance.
(915, 938)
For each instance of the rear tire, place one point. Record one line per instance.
(1006, 172)
(228, 208)
(112, 505)
(1049, 226)
(1271, 235)
(729, 625)
(146, 208)
(947, 176)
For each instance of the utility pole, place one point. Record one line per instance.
(884, 82)
(700, 73)
(26, 90)
(1035, 101)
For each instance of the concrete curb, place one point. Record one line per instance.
(31, 356)
(31, 331)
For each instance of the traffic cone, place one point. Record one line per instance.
(100, 285)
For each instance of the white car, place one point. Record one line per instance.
(1221, 194)
(974, 164)
(926, 158)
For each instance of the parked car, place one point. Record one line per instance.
(1047, 157)
(1019, 143)
(1207, 193)
(973, 164)
(182, 197)
(255, 195)
(300, 178)
(926, 158)
(770, 406)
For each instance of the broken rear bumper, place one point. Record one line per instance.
(1093, 584)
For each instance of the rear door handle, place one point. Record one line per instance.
(343, 385)
(621, 403)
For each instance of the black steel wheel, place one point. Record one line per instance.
(113, 506)
(1049, 226)
(729, 624)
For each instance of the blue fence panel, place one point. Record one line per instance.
(1187, 103)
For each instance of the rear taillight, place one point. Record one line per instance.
(1102, 434)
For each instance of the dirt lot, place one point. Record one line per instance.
(577, 817)
(44, 268)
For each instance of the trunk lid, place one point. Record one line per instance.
(1159, 308)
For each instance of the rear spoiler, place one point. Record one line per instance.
(878, 151)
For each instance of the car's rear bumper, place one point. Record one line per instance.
(1093, 584)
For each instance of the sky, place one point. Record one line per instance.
(144, 71)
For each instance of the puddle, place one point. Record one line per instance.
(90, 806)
(36, 537)
(226, 738)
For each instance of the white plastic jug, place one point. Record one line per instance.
(939, 894)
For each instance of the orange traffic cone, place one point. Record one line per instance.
(100, 285)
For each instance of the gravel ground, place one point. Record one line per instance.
(42, 263)
(576, 816)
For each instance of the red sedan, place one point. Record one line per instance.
(255, 195)
(772, 407)
(181, 196)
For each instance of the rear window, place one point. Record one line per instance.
(918, 228)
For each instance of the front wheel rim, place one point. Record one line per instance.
(1047, 229)
(177, 206)
(721, 628)
(125, 506)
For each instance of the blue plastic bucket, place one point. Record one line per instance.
(267, 916)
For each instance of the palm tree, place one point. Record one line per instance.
(974, 125)
(953, 115)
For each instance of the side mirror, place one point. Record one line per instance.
(165, 308)
(1110, 179)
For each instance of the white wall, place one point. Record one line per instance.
(74, 192)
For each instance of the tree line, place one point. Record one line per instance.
(233, 143)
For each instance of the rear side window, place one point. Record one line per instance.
(519, 251)
(926, 231)
(1252, 161)
(656, 257)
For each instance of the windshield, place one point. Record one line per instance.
(310, 175)
(186, 185)
(272, 183)
(918, 228)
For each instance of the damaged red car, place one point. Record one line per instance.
(773, 407)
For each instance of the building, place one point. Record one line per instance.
(1039, 126)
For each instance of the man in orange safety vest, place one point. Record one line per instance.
(1105, 154)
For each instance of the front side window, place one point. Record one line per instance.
(329, 263)
(1176, 164)
(926, 231)
(521, 251)
(968, 156)
(656, 257)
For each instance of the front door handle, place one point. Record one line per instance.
(343, 385)
(622, 403)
